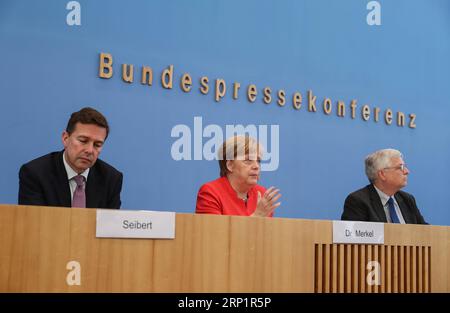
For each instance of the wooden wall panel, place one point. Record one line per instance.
(401, 268)
(214, 254)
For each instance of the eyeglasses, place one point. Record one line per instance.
(401, 167)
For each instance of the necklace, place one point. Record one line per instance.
(243, 197)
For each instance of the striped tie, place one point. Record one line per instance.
(79, 196)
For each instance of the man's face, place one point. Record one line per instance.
(396, 175)
(83, 146)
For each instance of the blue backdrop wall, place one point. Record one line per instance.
(49, 68)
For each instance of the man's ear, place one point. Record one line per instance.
(65, 138)
(381, 175)
(229, 165)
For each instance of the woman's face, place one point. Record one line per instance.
(245, 172)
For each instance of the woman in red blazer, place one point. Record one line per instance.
(236, 192)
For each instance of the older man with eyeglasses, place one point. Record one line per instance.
(382, 200)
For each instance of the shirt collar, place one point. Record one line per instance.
(384, 197)
(70, 172)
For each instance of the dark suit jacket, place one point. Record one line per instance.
(365, 205)
(43, 181)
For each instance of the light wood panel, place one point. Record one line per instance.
(213, 254)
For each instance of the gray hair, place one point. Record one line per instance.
(379, 160)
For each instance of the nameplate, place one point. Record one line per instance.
(358, 232)
(135, 224)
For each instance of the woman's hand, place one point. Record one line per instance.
(267, 203)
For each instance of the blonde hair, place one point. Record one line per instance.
(237, 148)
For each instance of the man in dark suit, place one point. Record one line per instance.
(74, 177)
(382, 200)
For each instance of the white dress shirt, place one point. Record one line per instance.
(384, 200)
(71, 174)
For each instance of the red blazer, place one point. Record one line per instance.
(218, 197)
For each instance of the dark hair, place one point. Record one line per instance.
(87, 116)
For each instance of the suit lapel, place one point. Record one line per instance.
(92, 186)
(377, 205)
(62, 183)
(403, 208)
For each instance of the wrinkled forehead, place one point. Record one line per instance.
(89, 131)
(396, 161)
